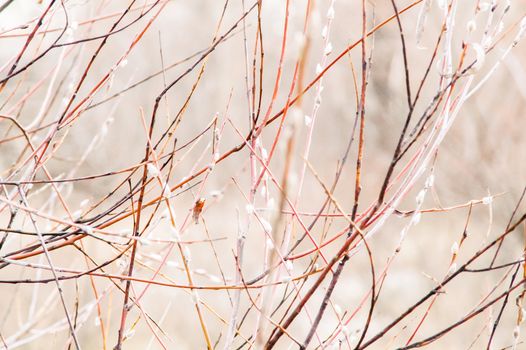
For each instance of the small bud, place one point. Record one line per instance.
(87, 229)
(186, 254)
(317, 101)
(145, 241)
(484, 6)
(165, 214)
(167, 193)
(481, 56)
(330, 12)
(454, 248)
(152, 170)
(264, 154)
(516, 332)
(216, 194)
(337, 309)
(328, 49)
(420, 197)
(172, 263)
(122, 264)
(129, 334)
(416, 218)
(156, 257)
(487, 200)
(471, 26)
(266, 225)
(430, 181)
(346, 331)
(324, 32)
(286, 279)
(214, 278)
(500, 27)
(125, 233)
(296, 114)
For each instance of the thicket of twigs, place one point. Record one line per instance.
(262, 174)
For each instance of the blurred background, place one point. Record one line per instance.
(481, 161)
